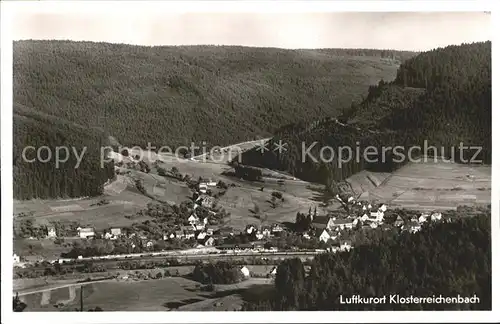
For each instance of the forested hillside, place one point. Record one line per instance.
(46, 179)
(442, 96)
(450, 259)
(175, 95)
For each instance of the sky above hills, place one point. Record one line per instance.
(402, 31)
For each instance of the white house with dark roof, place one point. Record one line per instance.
(324, 236)
(85, 233)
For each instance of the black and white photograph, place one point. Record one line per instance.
(268, 157)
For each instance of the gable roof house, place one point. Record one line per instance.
(382, 208)
(324, 236)
(193, 219)
(399, 221)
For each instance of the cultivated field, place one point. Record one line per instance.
(428, 185)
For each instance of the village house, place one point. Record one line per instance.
(209, 241)
(199, 226)
(244, 270)
(210, 231)
(259, 235)
(51, 232)
(373, 224)
(85, 233)
(207, 201)
(341, 224)
(201, 235)
(323, 236)
(189, 232)
(193, 219)
(377, 216)
(116, 232)
(273, 271)
(266, 231)
(202, 188)
(178, 234)
(149, 244)
(345, 246)
(423, 218)
(436, 217)
(364, 218)
(250, 229)
(412, 227)
(276, 228)
(382, 208)
(306, 236)
(399, 221)
(17, 259)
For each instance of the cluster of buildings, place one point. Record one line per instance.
(364, 215)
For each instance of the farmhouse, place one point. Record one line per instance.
(259, 235)
(85, 232)
(16, 258)
(51, 232)
(274, 271)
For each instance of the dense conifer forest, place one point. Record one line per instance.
(441, 96)
(447, 259)
(44, 180)
(174, 95)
